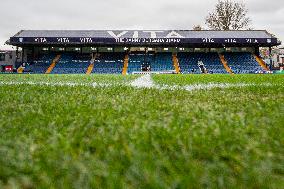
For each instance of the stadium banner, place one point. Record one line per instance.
(133, 37)
(139, 41)
(8, 68)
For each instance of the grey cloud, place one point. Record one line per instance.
(125, 14)
(266, 7)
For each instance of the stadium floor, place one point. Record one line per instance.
(159, 131)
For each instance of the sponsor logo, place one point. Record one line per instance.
(86, 40)
(40, 40)
(152, 34)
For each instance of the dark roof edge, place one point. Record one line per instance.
(138, 30)
(19, 33)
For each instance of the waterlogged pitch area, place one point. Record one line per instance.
(159, 131)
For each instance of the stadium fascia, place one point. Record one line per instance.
(142, 38)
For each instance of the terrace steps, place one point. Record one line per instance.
(225, 64)
(92, 64)
(53, 64)
(125, 64)
(176, 63)
(261, 62)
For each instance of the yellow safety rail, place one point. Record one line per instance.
(91, 66)
(176, 63)
(53, 64)
(125, 65)
(225, 64)
(20, 70)
(261, 62)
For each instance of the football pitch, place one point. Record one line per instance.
(159, 131)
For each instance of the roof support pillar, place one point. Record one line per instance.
(23, 54)
(270, 58)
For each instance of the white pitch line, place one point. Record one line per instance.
(68, 84)
(209, 86)
(221, 86)
(144, 81)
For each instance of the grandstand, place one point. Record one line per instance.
(108, 63)
(212, 63)
(132, 52)
(70, 63)
(39, 65)
(243, 63)
(154, 62)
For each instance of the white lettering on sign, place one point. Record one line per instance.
(63, 40)
(86, 40)
(111, 33)
(230, 41)
(40, 40)
(208, 40)
(134, 40)
(174, 34)
(153, 34)
(251, 40)
(119, 40)
(173, 41)
(135, 34)
(147, 40)
(158, 41)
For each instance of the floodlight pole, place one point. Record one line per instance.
(257, 51)
(270, 58)
(145, 54)
(23, 53)
(33, 52)
(17, 55)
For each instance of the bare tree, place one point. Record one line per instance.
(197, 28)
(228, 15)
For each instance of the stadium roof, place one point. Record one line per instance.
(143, 33)
(144, 37)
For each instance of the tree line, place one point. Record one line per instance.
(227, 15)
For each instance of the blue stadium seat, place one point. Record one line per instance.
(112, 63)
(109, 63)
(188, 63)
(39, 66)
(158, 62)
(135, 63)
(243, 63)
(162, 62)
(72, 64)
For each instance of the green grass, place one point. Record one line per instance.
(201, 79)
(123, 137)
(113, 79)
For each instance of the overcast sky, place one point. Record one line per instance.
(16, 15)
